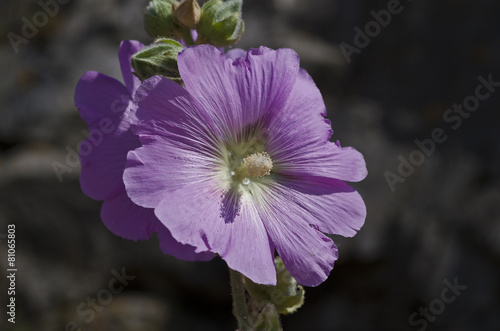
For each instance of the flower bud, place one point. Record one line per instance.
(158, 59)
(159, 19)
(220, 23)
(187, 12)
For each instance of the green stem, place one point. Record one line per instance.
(240, 308)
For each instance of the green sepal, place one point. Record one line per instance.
(221, 23)
(158, 59)
(159, 19)
(287, 296)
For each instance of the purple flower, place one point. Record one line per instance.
(108, 108)
(239, 163)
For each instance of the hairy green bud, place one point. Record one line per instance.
(159, 19)
(220, 23)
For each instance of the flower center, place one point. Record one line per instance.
(244, 160)
(255, 165)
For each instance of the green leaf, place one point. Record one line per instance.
(158, 59)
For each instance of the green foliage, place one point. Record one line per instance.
(158, 59)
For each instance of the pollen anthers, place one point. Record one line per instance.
(255, 165)
(246, 163)
(244, 157)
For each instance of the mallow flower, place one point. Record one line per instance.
(238, 162)
(108, 108)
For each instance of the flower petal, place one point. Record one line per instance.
(307, 253)
(127, 220)
(127, 49)
(195, 215)
(98, 96)
(298, 139)
(172, 109)
(320, 160)
(235, 53)
(170, 246)
(103, 158)
(329, 204)
(304, 115)
(162, 165)
(239, 93)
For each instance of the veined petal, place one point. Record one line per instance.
(329, 204)
(319, 160)
(127, 49)
(167, 109)
(162, 165)
(298, 138)
(196, 214)
(302, 116)
(307, 253)
(240, 93)
(98, 96)
(265, 80)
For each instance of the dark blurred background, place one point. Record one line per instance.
(435, 227)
